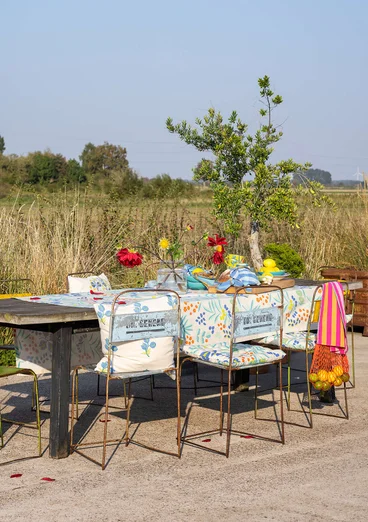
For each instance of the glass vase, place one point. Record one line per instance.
(172, 275)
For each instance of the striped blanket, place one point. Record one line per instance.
(332, 319)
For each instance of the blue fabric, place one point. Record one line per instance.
(239, 277)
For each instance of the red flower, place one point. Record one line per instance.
(218, 257)
(216, 241)
(129, 258)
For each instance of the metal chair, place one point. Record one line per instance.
(236, 356)
(303, 342)
(18, 287)
(8, 371)
(135, 326)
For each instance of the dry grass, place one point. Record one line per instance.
(70, 233)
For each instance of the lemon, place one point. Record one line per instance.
(197, 270)
(269, 263)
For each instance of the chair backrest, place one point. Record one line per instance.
(16, 287)
(77, 282)
(144, 324)
(130, 327)
(250, 324)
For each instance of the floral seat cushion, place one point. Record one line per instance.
(292, 340)
(244, 355)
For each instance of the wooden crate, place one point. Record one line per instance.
(361, 295)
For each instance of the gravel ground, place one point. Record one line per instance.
(320, 473)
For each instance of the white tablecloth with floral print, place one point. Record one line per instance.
(205, 319)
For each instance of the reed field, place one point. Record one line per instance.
(46, 237)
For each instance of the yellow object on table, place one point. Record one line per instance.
(233, 260)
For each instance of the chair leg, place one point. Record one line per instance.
(103, 464)
(352, 354)
(289, 382)
(125, 395)
(77, 394)
(256, 395)
(309, 389)
(178, 399)
(33, 397)
(221, 402)
(228, 427)
(128, 414)
(72, 412)
(38, 419)
(346, 402)
(98, 384)
(1, 432)
(281, 403)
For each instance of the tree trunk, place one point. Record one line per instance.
(255, 253)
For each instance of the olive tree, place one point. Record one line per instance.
(243, 179)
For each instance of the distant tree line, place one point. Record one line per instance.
(322, 176)
(105, 167)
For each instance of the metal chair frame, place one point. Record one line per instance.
(220, 430)
(24, 371)
(16, 293)
(309, 351)
(88, 273)
(113, 338)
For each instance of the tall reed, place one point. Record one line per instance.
(70, 232)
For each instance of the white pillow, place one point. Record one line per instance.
(78, 285)
(141, 355)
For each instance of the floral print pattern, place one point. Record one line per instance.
(291, 341)
(244, 355)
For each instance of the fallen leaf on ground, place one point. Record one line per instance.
(48, 479)
(16, 475)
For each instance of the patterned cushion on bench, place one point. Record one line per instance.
(244, 355)
(292, 340)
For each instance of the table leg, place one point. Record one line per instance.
(59, 413)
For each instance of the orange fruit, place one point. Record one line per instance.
(313, 377)
(345, 377)
(338, 381)
(338, 370)
(318, 385)
(332, 377)
(322, 375)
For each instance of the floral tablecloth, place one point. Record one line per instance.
(205, 318)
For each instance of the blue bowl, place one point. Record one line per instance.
(277, 273)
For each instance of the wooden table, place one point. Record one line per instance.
(60, 320)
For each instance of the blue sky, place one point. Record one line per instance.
(75, 71)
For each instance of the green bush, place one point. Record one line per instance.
(7, 358)
(286, 258)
